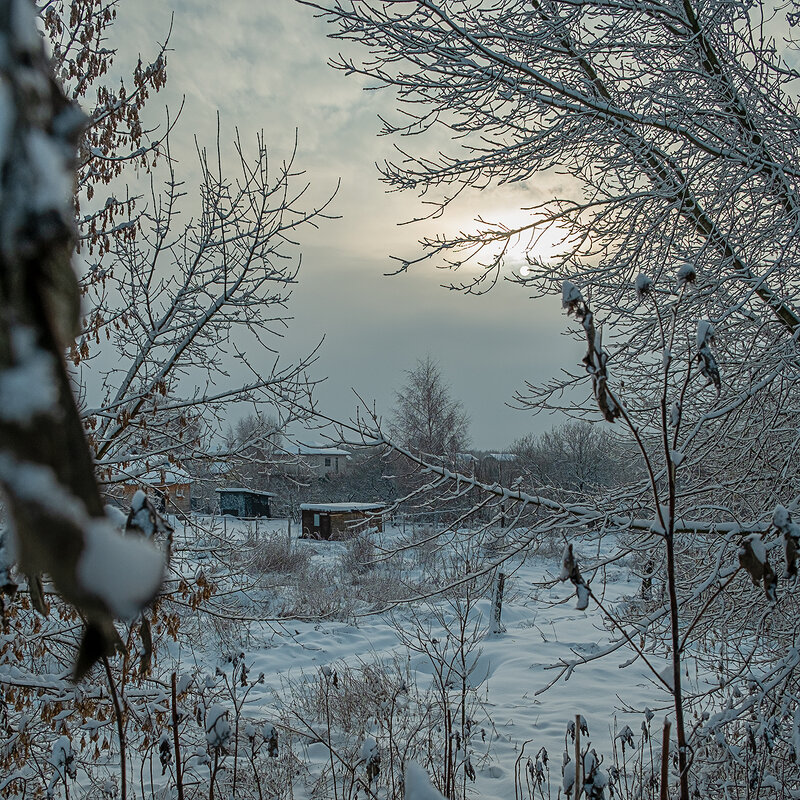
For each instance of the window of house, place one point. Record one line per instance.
(337, 463)
(179, 493)
(327, 462)
(316, 520)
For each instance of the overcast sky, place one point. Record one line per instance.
(263, 66)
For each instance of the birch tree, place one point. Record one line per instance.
(427, 418)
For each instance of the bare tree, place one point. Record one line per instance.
(426, 417)
(677, 125)
(182, 304)
(168, 305)
(577, 456)
(254, 445)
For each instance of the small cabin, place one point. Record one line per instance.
(339, 520)
(244, 503)
(497, 467)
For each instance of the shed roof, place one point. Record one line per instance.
(241, 490)
(342, 507)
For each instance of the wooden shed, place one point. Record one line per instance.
(339, 520)
(244, 503)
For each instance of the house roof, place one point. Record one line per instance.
(316, 450)
(502, 456)
(342, 507)
(242, 490)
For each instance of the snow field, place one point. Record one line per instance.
(543, 628)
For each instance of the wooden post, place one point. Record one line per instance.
(664, 793)
(497, 603)
(176, 738)
(577, 756)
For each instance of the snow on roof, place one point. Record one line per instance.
(502, 456)
(316, 450)
(342, 506)
(246, 491)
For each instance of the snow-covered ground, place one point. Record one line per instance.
(542, 628)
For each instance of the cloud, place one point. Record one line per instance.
(262, 66)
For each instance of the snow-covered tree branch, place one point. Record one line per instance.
(46, 468)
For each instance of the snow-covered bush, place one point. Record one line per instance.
(377, 718)
(359, 554)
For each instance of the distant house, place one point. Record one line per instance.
(244, 503)
(320, 460)
(501, 457)
(170, 489)
(338, 520)
(497, 466)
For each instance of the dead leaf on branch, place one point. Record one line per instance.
(596, 357)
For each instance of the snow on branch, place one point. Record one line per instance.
(587, 514)
(46, 470)
(571, 572)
